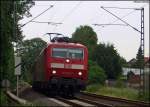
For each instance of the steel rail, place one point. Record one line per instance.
(109, 98)
(99, 104)
(69, 102)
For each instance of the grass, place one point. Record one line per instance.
(123, 92)
(3, 98)
(119, 92)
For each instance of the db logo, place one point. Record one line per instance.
(67, 65)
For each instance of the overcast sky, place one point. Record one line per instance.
(75, 13)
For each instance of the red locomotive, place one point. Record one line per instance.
(61, 67)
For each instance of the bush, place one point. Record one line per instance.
(145, 97)
(96, 74)
(120, 84)
(3, 98)
(108, 58)
(93, 88)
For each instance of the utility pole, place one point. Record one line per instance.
(15, 32)
(142, 49)
(141, 31)
(14, 14)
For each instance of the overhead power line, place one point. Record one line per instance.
(77, 5)
(37, 16)
(69, 13)
(121, 20)
(109, 24)
(41, 5)
(123, 8)
(123, 17)
(53, 23)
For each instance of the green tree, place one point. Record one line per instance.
(8, 26)
(29, 50)
(107, 57)
(139, 59)
(86, 36)
(123, 62)
(96, 74)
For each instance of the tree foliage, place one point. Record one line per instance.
(137, 62)
(29, 50)
(96, 74)
(86, 36)
(108, 58)
(11, 13)
(105, 56)
(139, 59)
(9, 24)
(123, 62)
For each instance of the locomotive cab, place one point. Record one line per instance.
(68, 65)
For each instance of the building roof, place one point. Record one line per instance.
(133, 60)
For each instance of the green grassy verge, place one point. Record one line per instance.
(127, 93)
(3, 98)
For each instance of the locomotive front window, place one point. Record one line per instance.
(73, 53)
(59, 52)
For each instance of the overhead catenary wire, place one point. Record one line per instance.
(68, 14)
(123, 8)
(121, 20)
(71, 11)
(37, 16)
(127, 8)
(51, 16)
(109, 24)
(134, 9)
(123, 17)
(53, 23)
(41, 5)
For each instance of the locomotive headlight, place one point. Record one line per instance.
(53, 72)
(80, 73)
(67, 60)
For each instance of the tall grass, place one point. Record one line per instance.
(3, 98)
(93, 88)
(119, 92)
(122, 92)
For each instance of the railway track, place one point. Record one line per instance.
(76, 102)
(82, 99)
(96, 103)
(107, 101)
